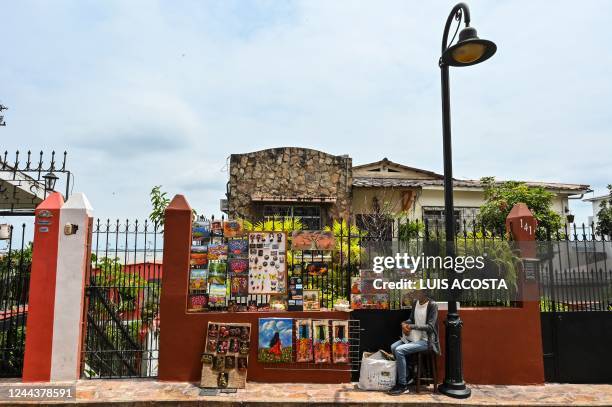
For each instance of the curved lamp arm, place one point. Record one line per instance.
(460, 11)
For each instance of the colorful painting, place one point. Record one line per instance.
(239, 286)
(216, 228)
(198, 302)
(316, 268)
(217, 272)
(303, 340)
(340, 342)
(238, 247)
(198, 259)
(275, 340)
(321, 345)
(406, 298)
(217, 251)
(200, 230)
(377, 301)
(311, 300)
(312, 240)
(232, 228)
(217, 295)
(197, 280)
(238, 266)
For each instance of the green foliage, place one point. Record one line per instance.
(548, 305)
(347, 241)
(275, 223)
(411, 229)
(500, 198)
(159, 202)
(12, 343)
(604, 216)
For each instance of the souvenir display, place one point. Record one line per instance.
(316, 268)
(370, 301)
(275, 343)
(239, 286)
(200, 230)
(198, 259)
(295, 294)
(217, 251)
(303, 340)
(406, 297)
(267, 263)
(340, 343)
(321, 345)
(312, 240)
(217, 295)
(198, 302)
(311, 300)
(225, 359)
(232, 228)
(238, 248)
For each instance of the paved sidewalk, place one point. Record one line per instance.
(152, 393)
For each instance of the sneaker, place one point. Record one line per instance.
(398, 389)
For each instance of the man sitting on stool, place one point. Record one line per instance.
(419, 333)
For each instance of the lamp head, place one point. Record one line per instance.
(50, 180)
(469, 49)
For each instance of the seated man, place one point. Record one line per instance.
(419, 333)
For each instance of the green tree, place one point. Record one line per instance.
(159, 202)
(501, 197)
(604, 216)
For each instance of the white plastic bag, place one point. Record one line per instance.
(377, 372)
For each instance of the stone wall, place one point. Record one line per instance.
(283, 175)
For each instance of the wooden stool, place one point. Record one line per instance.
(426, 360)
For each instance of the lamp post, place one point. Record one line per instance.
(50, 180)
(468, 50)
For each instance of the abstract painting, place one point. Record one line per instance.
(275, 340)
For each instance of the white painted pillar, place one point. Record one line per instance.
(72, 262)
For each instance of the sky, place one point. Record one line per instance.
(144, 93)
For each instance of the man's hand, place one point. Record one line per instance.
(405, 328)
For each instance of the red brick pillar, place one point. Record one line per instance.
(41, 304)
(521, 224)
(173, 305)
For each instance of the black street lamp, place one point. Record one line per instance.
(50, 180)
(468, 50)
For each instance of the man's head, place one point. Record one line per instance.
(421, 295)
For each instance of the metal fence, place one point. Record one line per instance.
(122, 300)
(15, 265)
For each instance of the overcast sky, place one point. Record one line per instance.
(142, 93)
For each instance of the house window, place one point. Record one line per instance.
(310, 216)
(463, 216)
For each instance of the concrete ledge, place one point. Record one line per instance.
(153, 393)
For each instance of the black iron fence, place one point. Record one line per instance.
(15, 265)
(122, 300)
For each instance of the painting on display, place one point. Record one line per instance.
(198, 279)
(198, 302)
(232, 228)
(311, 301)
(217, 272)
(321, 345)
(316, 268)
(217, 295)
(217, 251)
(267, 263)
(200, 230)
(340, 342)
(363, 301)
(239, 286)
(275, 342)
(225, 357)
(238, 248)
(312, 240)
(303, 340)
(238, 266)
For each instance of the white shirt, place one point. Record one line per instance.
(420, 318)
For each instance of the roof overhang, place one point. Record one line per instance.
(258, 197)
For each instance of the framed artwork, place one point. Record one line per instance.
(311, 301)
(198, 259)
(238, 266)
(267, 263)
(200, 230)
(198, 302)
(312, 240)
(239, 286)
(216, 228)
(275, 341)
(321, 345)
(232, 228)
(406, 297)
(316, 268)
(217, 251)
(225, 358)
(217, 272)
(340, 341)
(295, 295)
(198, 279)
(303, 340)
(217, 295)
(238, 247)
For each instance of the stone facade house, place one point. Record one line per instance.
(319, 187)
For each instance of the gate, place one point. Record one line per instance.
(15, 262)
(576, 309)
(122, 300)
